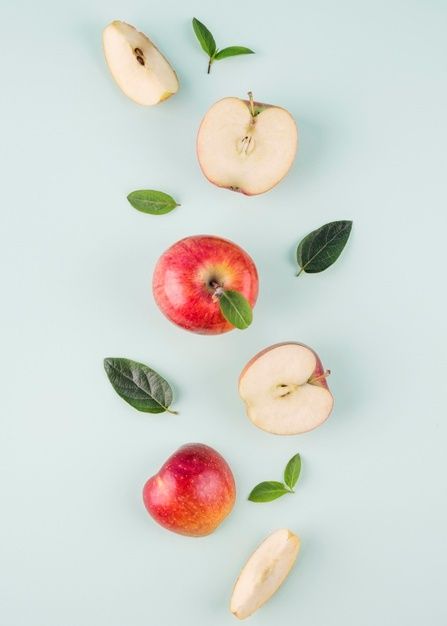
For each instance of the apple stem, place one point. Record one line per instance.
(218, 289)
(325, 374)
(252, 105)
(209, 65)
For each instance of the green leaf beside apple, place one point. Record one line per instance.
(271, 489)
(208, 45)
(292, 471)
(204, 37)
(267, 491)
(322, 247)
(151, 201)
(139, 385)
(236, 309)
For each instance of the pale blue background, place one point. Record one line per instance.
(366, 82)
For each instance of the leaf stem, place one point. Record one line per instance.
(210, 62)
(300, 272)
(171, 411)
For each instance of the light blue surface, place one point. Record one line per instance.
(366, 82)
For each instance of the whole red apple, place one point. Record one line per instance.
(186, 277)
(193, 492)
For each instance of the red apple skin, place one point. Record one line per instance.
(193, 492)
(182, 276)
(319, 379)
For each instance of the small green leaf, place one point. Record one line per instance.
(267, 491)
(232, 51)
(236, 309)
(139, 385)
(151, 201)
(292, 471)
(204, 36)
(322, 247)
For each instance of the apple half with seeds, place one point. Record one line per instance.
(284, 389)
(246, 146)
(137, 66)
(264, 572)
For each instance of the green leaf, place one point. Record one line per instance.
(139, 385)
(267, 491)
(151, 201)
(236, 309)
(204, 36)
(232, 51)
(292, 471)
(323, 246)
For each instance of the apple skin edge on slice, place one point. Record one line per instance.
(285, 390)
(137, 66)
(264, 572)
(246, 146)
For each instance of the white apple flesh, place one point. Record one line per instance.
(136, 64)
(264, 572)
(285, 391)
(246, 146)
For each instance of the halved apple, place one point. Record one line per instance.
(264, 572)
(246, 146)
(137, 65)
(285, 390)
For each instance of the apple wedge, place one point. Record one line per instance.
(284, 389)
(264, 572)
(246, 146)
(136, 64)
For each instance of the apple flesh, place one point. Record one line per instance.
(186, 276)
(264, 572)
(285, 390)
(193, 492)
(137, 65)
(246, 146)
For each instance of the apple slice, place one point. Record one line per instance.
(138, 67)
(285, 390)
(246, 146)
(264, 572)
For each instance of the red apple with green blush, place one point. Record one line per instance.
(193, 492)
(192, 274)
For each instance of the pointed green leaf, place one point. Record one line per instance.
(204, 36)
(323, 246)
(267, 491)
(139, 385)
(232, 51)
(151, 201)
(292, 471)
(236, 309)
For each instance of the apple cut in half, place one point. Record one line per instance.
(136, 64)
(246, 146)
(264, 572)
(285, 390)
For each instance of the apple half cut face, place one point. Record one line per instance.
(136, 64)
(246, 146)
(264, 572)
(285, 391)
